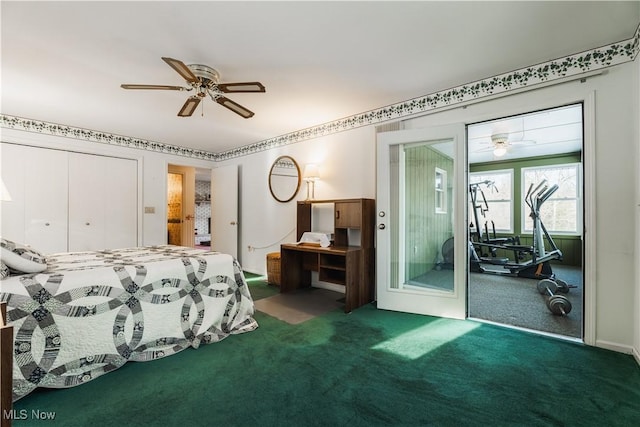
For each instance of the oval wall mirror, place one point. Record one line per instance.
(284, 179)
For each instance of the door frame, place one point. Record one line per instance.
(187, 226)
(581, 225)
(521, 103)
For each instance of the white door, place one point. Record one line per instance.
(186, 194)
(45, 200)
(37, 181)
(121, 207)
(102, 202)
(422, 247)
(224, 210)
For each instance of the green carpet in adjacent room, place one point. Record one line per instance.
(367, 368)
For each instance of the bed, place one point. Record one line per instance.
(88, 313)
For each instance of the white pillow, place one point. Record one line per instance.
(4, 270)
(21, 258)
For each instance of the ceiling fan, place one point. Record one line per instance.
(204, 80)
(501, 143)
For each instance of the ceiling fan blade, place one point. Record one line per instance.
(523, 142)
(182, 69)
(241, 87)
(189, 107)
(234, 106)
(152, 87)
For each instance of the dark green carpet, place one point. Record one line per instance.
(367, 368)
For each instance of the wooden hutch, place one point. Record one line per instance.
(350, 264)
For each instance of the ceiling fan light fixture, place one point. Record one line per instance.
(499, 151)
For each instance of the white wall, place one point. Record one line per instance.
(347, 168)
(152, 175)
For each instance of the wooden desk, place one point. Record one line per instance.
(336, 264)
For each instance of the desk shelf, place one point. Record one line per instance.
(332, 275)
(332, 261)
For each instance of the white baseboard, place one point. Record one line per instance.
(615, 347)
(636, 355)
(328, 286)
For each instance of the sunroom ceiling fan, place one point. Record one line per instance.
(204, 80)
(501, 143)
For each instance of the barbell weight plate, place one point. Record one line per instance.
(562, 286)
(545, 284)
(559, 305)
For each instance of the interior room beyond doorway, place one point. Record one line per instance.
(525, 221)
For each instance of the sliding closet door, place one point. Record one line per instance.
(102, 202)
(37, 181)
(45, 206)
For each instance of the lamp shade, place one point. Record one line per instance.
(311, 172)
(4, 193)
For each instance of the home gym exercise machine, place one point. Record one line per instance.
(529, 261)
(476, 233)
(483, 247)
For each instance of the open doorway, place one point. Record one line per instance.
(203, 209)
(189, 206)
(525, 216)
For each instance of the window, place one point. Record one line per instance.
(494, 200)
(441, 191)
(560, 214)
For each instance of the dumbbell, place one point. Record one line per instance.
(557, 304)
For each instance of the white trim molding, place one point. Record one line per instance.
(554, 70)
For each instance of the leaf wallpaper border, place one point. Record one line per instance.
(557, 69)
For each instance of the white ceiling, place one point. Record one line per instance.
(554, 131)
(63, 62)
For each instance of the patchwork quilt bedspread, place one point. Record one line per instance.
(89, 313)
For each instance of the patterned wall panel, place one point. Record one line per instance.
(426, 229)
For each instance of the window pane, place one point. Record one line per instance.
(560, 212)
(497, 188)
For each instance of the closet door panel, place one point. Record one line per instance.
(87, 184)
(37, 212)
(12, 213)
(121, 204)
(46, 194)
(102, 202)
